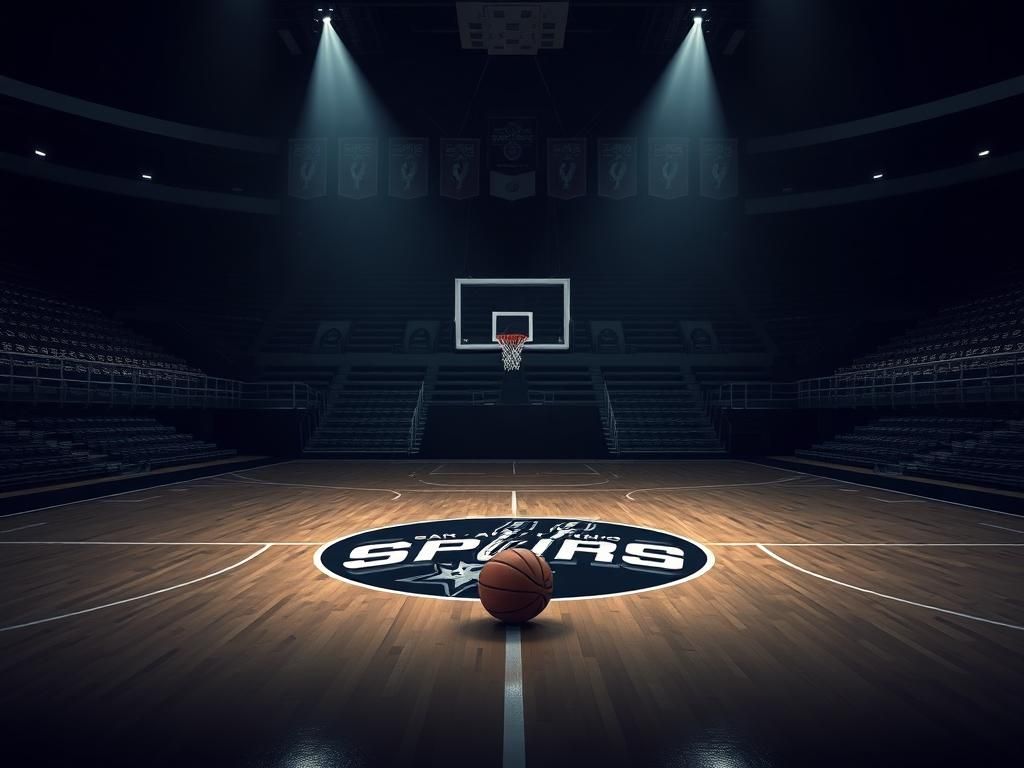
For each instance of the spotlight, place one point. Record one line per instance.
(877, 176)
(40, 153)
(983, 153)
(327, 19)
(698, 20)
(147, 176)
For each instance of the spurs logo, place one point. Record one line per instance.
(443, 558)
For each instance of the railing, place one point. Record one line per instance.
(613, 427)
(414, 423)
(43, 379)
(977, 379)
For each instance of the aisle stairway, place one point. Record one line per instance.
(656, 410)
(370, 411)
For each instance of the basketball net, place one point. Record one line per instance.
(511, 350)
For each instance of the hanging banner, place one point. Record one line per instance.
(407, 167)
(307, 168)
(616, 168)
(719, 176)
(460, 168)
(567, 168)
(357, 167)
(668, 168)
(512, 157)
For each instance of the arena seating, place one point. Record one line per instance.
(34, 323)
(964, 449)
(650, 317)
(371, 411)
(657, 411)
(992, 324)
(465, 385)
(379, 313)
(46, 450)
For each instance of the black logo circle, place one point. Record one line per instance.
(443, 558)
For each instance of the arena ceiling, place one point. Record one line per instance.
(780, 65)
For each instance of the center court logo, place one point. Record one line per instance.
(443, 558)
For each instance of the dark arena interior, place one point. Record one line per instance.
(628, 383)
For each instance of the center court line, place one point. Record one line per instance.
(971, 617)
(513, 752)
(128, 501)
(515, 505)
(171, 588)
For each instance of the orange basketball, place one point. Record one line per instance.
(515, 585)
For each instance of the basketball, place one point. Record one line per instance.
(515, 585)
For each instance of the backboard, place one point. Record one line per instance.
(535, 307)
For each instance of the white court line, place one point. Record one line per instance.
(535, 486)
(129, 501)
(515, 505)
(824, 544)
(22, 527)
(513, 752)
(241, 562)
(868, 544)
(1001, 528)
(136, 490)
(782, 560)
(897, 501)
(887, 490)
(699, 487)
(257, 481)
(170, 543)
(513, 468)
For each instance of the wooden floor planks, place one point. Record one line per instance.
(753, 662)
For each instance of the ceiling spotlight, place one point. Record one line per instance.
(147, 176)
(327, 19)
(877, 176)
(984, 153)
(40, 153)
(698, 20)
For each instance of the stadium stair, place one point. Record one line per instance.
(370, 412)
(657, 411)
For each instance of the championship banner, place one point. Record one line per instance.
(616, 168)
(668, 168)
(460, 168)
(512, 157)
(567, 168)
(719, 177)
(407, 168)
(357, 167)
(307, 168)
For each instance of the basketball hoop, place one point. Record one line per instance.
(511, 349)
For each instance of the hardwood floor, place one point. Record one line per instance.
(158, 628)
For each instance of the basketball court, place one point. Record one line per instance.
(831, 623)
